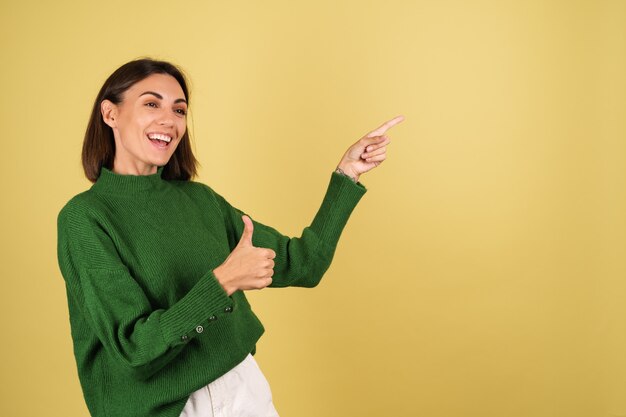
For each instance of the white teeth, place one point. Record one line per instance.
(158, 136)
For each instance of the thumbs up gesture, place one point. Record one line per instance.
(247, 267)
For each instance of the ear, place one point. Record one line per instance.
(109, 112)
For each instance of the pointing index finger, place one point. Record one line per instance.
(385, 126)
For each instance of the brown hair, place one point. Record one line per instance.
(99, 143)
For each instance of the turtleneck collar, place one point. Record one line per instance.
(111, 182)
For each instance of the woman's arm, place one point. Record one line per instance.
(116, 308)
(300, 261)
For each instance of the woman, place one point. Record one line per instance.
(156, 264)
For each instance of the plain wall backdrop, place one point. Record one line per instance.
(483, 274)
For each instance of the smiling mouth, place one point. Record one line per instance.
(160, 140)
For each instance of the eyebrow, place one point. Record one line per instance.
(159, 96)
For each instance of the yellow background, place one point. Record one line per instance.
(484, 272)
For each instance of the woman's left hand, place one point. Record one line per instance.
(369, 151)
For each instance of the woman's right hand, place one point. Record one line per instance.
(247, 267)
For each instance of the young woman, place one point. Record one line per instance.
(156, 264)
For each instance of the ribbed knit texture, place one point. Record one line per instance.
(149, 321)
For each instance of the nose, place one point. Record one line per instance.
(166, 118)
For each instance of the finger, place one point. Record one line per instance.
(246, 235)
(385, 126)
(366, 142)
(380, 141)
(262, 281)
(374, 153)
(270, 254)
(386, 141)
(378, 158)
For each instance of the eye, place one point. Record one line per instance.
(151, 104)
(182, 112)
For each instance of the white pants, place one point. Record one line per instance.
(241, 392)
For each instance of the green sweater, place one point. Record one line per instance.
(149, 321)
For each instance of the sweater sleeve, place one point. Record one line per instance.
(110, 300)
(302, 261)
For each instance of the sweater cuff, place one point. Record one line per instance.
(341, 198)
(201, 306)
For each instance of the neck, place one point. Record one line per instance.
(138, 168)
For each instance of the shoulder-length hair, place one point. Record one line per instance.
(99, 142)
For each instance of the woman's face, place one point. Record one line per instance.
(152, 112)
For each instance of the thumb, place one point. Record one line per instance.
(248, 228)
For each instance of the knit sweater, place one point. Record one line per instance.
(150, 323)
